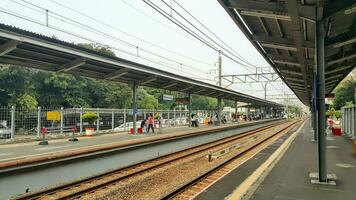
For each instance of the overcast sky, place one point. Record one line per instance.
(143, 23)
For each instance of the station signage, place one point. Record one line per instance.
(53, 116)
(167, 97)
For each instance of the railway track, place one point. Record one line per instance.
(194, 187)
(77, 189)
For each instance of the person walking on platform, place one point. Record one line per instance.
(150, 123)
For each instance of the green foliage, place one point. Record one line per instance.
(98, 47)
(89, 117)
(330, 112)
(28, 88)
(14, 83)
(26, 101)
(338, 114)
(203, 103)
(345, 92)
(146, 101)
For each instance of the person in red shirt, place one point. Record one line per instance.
(150, 123)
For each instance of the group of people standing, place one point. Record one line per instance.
(149, 123)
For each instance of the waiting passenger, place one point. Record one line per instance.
(210, 120)
(143, 123)
(195, 121)
(150, 123)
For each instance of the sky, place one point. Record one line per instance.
(138, 33)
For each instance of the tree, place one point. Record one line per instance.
(146, 101)
(15, 82)
(98, 47)
(203, 103)
(345, 92)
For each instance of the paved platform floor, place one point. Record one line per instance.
(289, 179)
(31, 149)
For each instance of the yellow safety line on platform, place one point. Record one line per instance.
(244, 187)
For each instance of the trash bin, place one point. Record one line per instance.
(336, 131)
(139, 130)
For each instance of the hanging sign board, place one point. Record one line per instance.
(167, 97)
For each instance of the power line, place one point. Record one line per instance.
(103, 34)
(186, 29)
(129, 34)
(213, 34)
(185, 19)
(26, 18)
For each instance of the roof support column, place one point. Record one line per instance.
(189, 109)
(320, 32)
(236, 118)
(219, 111)
(134, 106)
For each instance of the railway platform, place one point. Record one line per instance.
(288, 178)
(28, 150)
(61, 163)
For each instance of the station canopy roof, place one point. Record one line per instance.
(24, 48)
(283, 31)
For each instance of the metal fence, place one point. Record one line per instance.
(349, 121)
(18, 122)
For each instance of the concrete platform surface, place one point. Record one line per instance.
(289, 179)
(18, 151)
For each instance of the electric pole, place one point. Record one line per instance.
(220, 70)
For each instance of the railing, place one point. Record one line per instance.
(349, 121)
(19, 122)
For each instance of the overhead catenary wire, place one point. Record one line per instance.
(204, 34)
(108, 36)
(188, 30)
(129, 34)
(26, 18)
(215, 35)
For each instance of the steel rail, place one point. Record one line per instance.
(202, 177)
(76, 184)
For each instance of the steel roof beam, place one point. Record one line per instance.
(298, 38)
(199, 91)
(147, 80)
(333, 77)
(210, 93)
(306, 11)
(286, 63)
(338, 69)
(72, 65)
(262, 22)
(333, 7)
(294, 79)
(288, 58)
(170, 85)
(342, 39)
(265, 15)
(329, 83)
(342, 59)
(281, 41)
(8, 47)
(279, 46)
(187, 88)
(291, 72)
(116, 74)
